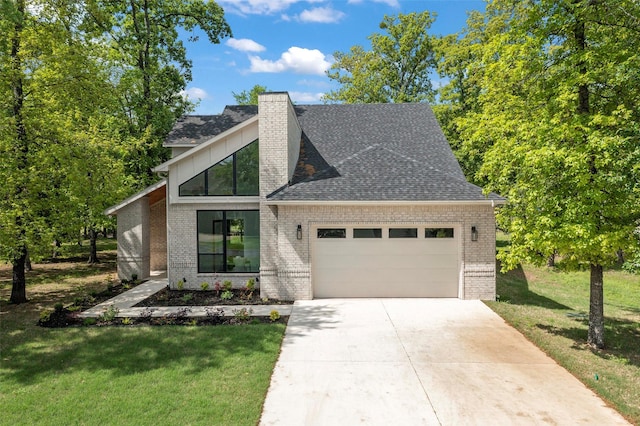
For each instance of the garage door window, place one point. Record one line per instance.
(367, 233)
(438, 233)
(332, 233)
(403, 233)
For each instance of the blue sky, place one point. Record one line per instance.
(287, 45)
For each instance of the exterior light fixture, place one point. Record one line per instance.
(474, 233)
(299, 232)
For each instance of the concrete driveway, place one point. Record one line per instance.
(419, 362)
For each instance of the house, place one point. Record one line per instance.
(317, 201)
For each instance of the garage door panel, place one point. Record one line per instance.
(385, 267)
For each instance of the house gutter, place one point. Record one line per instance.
(492, 203)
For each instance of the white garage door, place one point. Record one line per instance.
(383, 261)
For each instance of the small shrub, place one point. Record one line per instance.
(204, 286)
(89, 321)
(213, 312)
(45, 316)
(187, 297)
(78, 301)
(217, 287)
(193, 322)
(109, 314)
(58, 307)
(227, 285)
(226, 295)
(134, 277)
(249, 288)
(180, 285)
(242, 314)
(73, 308)
(126, 321)
(274, 316)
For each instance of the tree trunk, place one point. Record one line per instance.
(551, 260)
(19, 287)
(620, 256)
(596, 308)
(93, 249)
(27, 263)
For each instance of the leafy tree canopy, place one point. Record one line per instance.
(249, 97)
(396, 69)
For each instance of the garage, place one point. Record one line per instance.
(385, 261)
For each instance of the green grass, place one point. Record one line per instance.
(137, 375)
(551, 309)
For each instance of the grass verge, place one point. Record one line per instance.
(551, 309)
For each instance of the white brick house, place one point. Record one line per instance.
(315, 201)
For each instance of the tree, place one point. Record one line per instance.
(249, 97)
(558, 121)
(150, 67)
(396, 69)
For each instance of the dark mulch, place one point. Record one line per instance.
(167, 297)
(68, 316)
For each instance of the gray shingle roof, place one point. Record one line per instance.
(195, 129)
(375, 152)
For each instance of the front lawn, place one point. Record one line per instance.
(140, 375)
(551, 309)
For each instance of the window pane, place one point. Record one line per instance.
(247, 170)
(221, 177)
(194, 186)
(210, 263)
(367, 233)
(210, 238)
(403, 233)
(332, 233)
(438, 233)
(229, 241)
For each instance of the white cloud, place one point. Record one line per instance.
(392, 3)
(300, 97)
(321, 15)
(296, 59)
(194, 94)
(259, 7)
(245, 45)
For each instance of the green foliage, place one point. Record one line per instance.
(204, 286)
(274, 315)
(249, 97)
(89, 321)
(551, 123)
(226, 295)
(180, 285)
(227, 285)
(396, 69)
(127, 321)
(109, 314)
(242, 314)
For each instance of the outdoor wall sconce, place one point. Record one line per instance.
(299, 232)
(474, 233)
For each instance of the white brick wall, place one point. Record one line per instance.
(158, 236)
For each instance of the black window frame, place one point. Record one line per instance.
(226, 231)
(234, 178)
(371, 233)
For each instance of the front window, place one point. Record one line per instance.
(228, 241)
(235, 175)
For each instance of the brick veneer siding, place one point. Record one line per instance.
(133, 240)
(183, 246)
(279, 132)
(294, 271)
(158, 236)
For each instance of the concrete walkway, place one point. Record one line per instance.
(419, 362)
(124, 303)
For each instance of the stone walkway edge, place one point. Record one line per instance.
(125, 304)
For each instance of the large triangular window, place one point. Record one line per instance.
(235, 175)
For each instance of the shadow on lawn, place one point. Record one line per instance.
(621, 338)
(129, 350)
(514, 288)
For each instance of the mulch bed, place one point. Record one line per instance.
(167, 297)
(62, 316)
